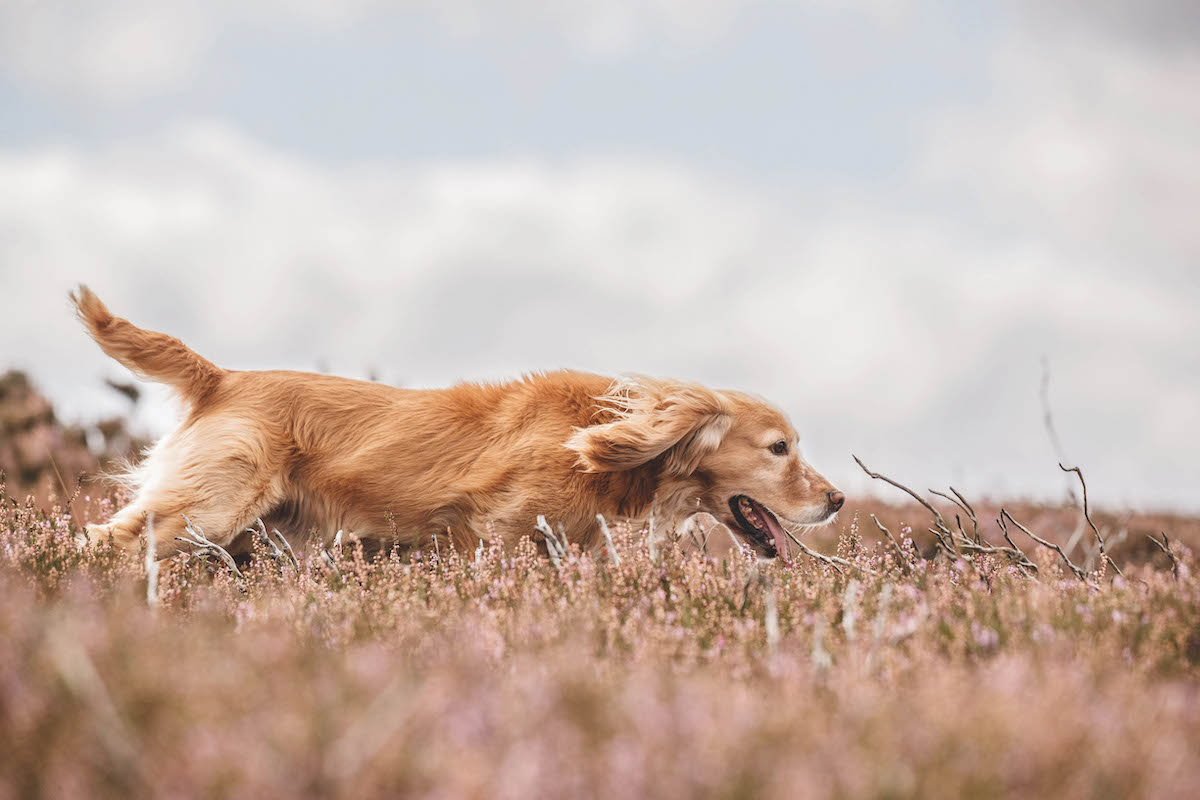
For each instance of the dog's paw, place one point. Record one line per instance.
(89, 536)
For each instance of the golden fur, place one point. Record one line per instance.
(317, 454)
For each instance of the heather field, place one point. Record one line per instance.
(892, 671)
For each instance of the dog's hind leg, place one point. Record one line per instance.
(217, 473)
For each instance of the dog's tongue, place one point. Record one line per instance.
(776, 531)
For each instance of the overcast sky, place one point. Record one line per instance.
(881, 215)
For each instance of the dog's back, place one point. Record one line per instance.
(320, 453)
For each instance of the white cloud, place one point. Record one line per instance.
(1087, 139)
(908, 337)
(109, 50)
(119, 51)
(114, 51)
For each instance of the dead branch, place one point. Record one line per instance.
(1087, 516)
(1165, 546)
(1048, 418)
(1077, 534)
(556, 549)
(331, 563)
(832, 561)
(1005, 515)
(203, 548)
(962, 545)
(959, 501)
(278, 546)
(950, 547)
(287, 547)
(899, 550)
(941, 522)
(1013, 553)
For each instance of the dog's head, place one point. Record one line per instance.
(738, 453)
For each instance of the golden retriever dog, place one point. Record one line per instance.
(316, 454)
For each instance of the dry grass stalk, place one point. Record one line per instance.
(608, 540)
(850, 609)
(151, 565)
(771, 618)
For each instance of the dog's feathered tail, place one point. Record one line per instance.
(148, 354)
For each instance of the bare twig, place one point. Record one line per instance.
(1165, 546)
(1005, 515)
(205, 548)
(885, 599)
(961, 544)
(278, 546)
(1121, 536)
(1025, 565)
(820, 656)
(1087, 516)
(66, 492)
(879, 627)
(833, 561)
(651, 544)
(941, 522)
(899, 550)
(689, 527)
(752, 576)
(975, 542)
(556, 549)
(1048, 417)
(608, 540)
(950, 547)
(771, 618)
(963, 500)
(287, 547)
(331, 563)
(850, 608)
(1080, 530)
(959, 501)
(151, 565)
(1013, 553)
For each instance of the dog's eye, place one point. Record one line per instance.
(779, 448)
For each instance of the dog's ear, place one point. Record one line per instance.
(679, 422)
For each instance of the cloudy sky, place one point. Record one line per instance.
(884, 216)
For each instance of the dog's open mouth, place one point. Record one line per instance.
(758, 524)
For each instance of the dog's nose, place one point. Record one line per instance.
(836, 500)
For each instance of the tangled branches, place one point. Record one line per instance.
(959, 543)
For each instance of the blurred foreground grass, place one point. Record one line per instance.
(494, 674)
